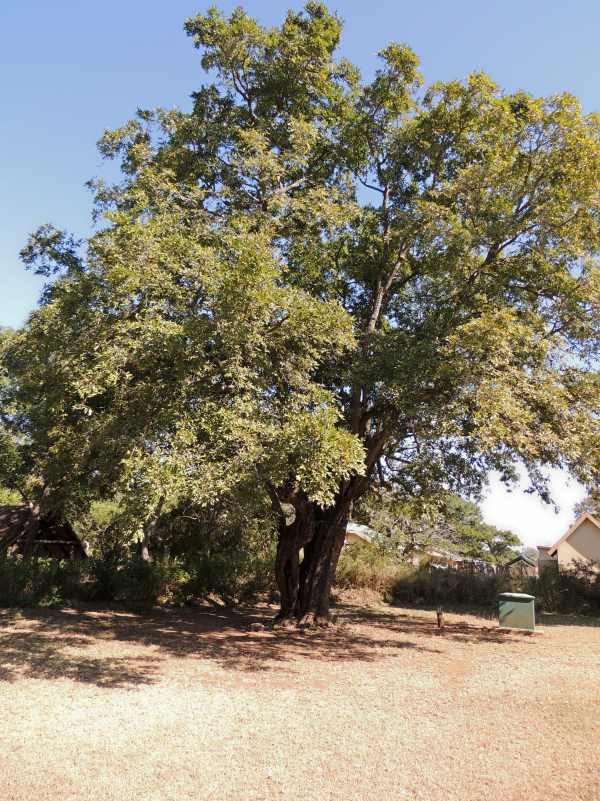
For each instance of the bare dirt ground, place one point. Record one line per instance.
(101, 705)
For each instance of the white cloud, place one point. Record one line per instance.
(527, 515)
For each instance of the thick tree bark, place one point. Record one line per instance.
(293, 537)
(305, 581)
(317, 570)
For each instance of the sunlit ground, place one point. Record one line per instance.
(176, 705)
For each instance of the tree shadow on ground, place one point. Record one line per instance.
(418, 625)
(77, 644)
(31, 654)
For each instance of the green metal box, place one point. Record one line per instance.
(516, 611)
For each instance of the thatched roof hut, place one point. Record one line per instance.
(53, 537)
(521, 566)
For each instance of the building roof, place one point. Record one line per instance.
(13, 520)
(364, 532)
(521, 558)
(581, 519)
(457, 557)
(56, 537)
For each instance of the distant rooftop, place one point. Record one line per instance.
(364, 532)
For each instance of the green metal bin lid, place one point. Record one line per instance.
(516, 596)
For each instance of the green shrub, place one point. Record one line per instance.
(37, 580)
(572, 591)
(231, 576)
(103, 579)
(363, 566)
(16, 581)
(161, 580)
(568, 591)
(432, 586)
(132, 580)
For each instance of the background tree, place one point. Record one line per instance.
(412, 527)
(15, 461)
(327, 283)
(589, 504)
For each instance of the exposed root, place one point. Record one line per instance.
(284, 622)
(311, 620)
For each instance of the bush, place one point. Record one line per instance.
(363, 566)
(159, 581)
(103, 578)
(575, 591)
(16, 581)
(37, 580)
(433, 586)
(231, 576)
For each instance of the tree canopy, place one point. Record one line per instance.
(590, 504)
(318, 282)
(411, 528)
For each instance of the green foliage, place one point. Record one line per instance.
(362, 566)
(223, 553)
(412, 526)
(49, 251)
(576, 590)
(9, 496)
(310, 282)
(162, 580)
(233, 577)
(448, 588)
(228, 548)
(26, 582)
(98, 525)
(590, 504)
(228, 577)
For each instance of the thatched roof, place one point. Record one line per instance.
(54, 537)
(521, 558)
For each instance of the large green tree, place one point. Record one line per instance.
(322, 282)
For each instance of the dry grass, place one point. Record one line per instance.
(176, 705)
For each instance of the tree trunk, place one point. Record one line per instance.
(38, 509)
(293, 537)
(305, 583)
(149, 530)
(317, 570)
(31, 528)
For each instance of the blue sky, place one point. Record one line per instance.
(73, 68)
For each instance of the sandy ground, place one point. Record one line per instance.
(176, 705)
